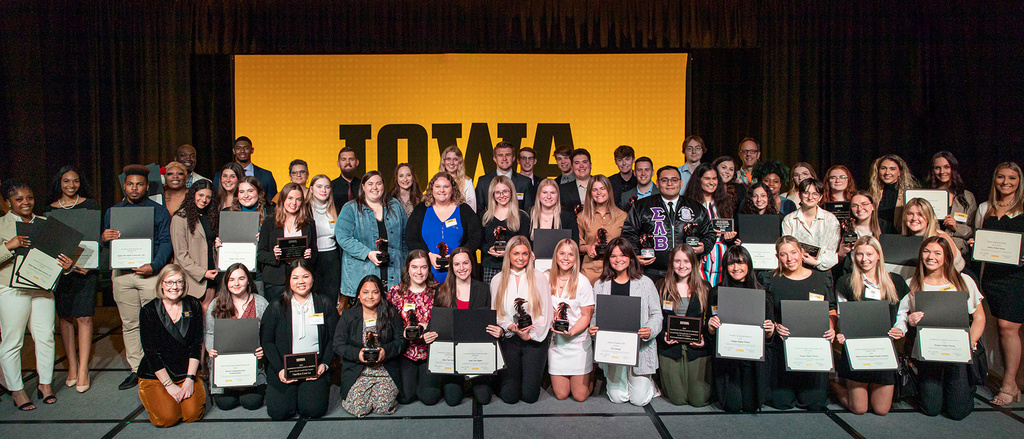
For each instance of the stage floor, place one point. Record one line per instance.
(105, 412)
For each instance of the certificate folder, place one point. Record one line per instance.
(470, 325)
(759, 229)
(806, 349)
(942, 332)
(545, 240)
(742, 306)
(441, 322)
(998, 247)
(937, 198)
(866, 324)
(618, 313)
(88, 222)
(235, 341)
(39, 267)
(805, 318)
(132, 222)
(239, 226)
(946, 309)
(900, 250)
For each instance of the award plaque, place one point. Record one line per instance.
(724, 225)
(602, 243)
(647, 246)
(300, 366)
(683, 329)
(371, 353)
(523, 318)
(413, 331)
(382, 247)
(688, 232)
(292, 248)
(561, 323)
(442, 260)
(500, 238)
(810, 249)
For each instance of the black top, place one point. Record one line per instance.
(343, 191)
(167, 344)
(844, 289)
(88, 203)
(211, 235)
(567, 219)
(348, 340)
(467, 218)
(620, 289)
(784, 288)
(693, 309)
(276, 333)
(488, 237)
(887, 205)
(523, 184)
(275, 271)
(1003, 279)
(619, 186)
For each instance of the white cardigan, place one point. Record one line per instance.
(650, 317)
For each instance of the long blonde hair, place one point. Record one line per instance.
(512, 216)
(948, 270)
(589, 206)
(697, 286)
(556, 221)
(884, 280)
(332, 210)
(533, 297)
(460, 171)
(932, 226)
(1018, 198)
(786, 239)
(556, 271)
(905, 181)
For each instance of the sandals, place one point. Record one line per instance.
(26, 407)
(1005, 397)
(51, 399)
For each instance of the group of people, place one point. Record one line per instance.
(381, 255)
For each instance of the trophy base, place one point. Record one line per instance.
(850, 239)
(413, 332)
(385, 258)
(524, 320)
(371, 355)
(647, 253)
(499, 246)
(560, 325)
(442, 264)
(692, 241)
(600, 249)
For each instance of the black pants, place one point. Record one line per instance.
(272, 292)
(327, 279)
(944, 389)
(308, 399)
(525, 364)
(454, 388)
(249, 397)
(415, 381)
(806, 390)
(737, 385)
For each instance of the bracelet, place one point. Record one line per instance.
(191, 377)
(168, 383)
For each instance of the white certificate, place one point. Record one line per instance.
(808, 354)
(944, 344)
(476, 358)
(39, 269)
(762, 256)
(871, 354)
(998, 247)
(613, 347)
(87, 255)
(236, 252)
(130, 253)
(234, 370)
(441, 358)
(741, 342)
(905, 271)
(938, 198)
(542, 264)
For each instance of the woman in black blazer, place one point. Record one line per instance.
(460, 290)
(370, 386)
(291, 219)
(171, 328)
(307, 397)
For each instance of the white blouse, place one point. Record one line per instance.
(325, 240)
(908, 305)
(542, 323)
(822, 232)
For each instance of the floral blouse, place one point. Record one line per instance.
(422, 303)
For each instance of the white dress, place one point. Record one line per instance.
(572, 356)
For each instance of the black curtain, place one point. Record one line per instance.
(105, 83)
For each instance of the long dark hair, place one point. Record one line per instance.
(956, 183)
(83, 184)
(723, 204)
(191, 212)
(748, 203)
(446, 296)
(302, 217)
(633, 270)
(415, 193)
(286, 296)
(431, 284)
(384, 196)
(225, 307)
(220, 192)
(698, 287)
(261, 199)
(386, 312)
(739, 255)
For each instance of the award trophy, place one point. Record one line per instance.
(848, 230)
(688, 230)
(602, 243)
(561, 323)
(372, 351)
(523, 318)
(382, 247)
(647, 245)
(500, 238)
(629, 205)
(414, 330)
(442, 260)
(577, 209)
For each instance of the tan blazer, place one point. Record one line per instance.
(190, 253)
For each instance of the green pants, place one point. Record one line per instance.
(686, 382)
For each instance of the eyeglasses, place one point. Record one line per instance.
(692, 149)
(837, 177)
(503, 192)
(174, 283)
(811, 194)
(669, 180)
(299, 172)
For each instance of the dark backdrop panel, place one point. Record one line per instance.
(724, 98)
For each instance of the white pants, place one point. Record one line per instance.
(131, 292)
(624, 386)
(19, 309)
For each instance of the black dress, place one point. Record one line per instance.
(1001, 282)
(742, 384)
(844, 289)
(75, 295)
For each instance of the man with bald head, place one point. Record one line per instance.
(186, 155)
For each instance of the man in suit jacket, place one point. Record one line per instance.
(527, 160)
(643, 169)
(346, 186)
(242, 151)
(574, 193)
(626, 178)
(505, 159)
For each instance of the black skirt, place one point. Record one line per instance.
(75, 295)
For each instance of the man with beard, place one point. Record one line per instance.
(346, 186)
(133, 288)
(242, 151)
(186, 155)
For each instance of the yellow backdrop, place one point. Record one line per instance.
(294, 106)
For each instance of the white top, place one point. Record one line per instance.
(542, 323)
(304, 333)
(470, 193)
(822, 232)
(908, 304)
(584, 297)
(324, 231)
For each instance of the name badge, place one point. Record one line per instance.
(519, 195)
(873, 293)
(948, 288)
(331, 222)
(815, 297)
(451, 223)
(960, 217)
(370, 323)
(667, 305)
(316, 319)
(409, 306)
(714, 310)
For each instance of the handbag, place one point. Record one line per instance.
(906, 379)
(977, 370)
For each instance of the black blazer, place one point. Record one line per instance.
(471, 229)
(276, 334)
(348, 340)
(570, 196)
(523, 186)
(163, 345)
(275, 271)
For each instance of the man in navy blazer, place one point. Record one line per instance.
(505, 159)
(574, 193)
(242, 151)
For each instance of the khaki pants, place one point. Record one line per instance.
(20, 309)
(131, 292)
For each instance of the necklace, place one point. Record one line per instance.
(72, 206)
(1002, 204)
